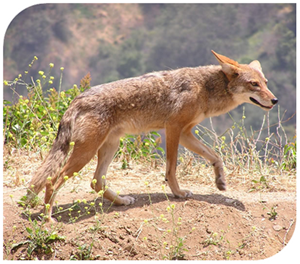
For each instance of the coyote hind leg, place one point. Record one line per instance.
(81, 155)
(105, 156)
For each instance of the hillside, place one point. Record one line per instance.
(67, 35)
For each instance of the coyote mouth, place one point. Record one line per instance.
(258, 103)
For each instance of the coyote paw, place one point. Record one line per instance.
(183, 194)
(29, 199)
(126, 200)
(51, 220)
(221, 184)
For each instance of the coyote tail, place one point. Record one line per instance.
(55, 159)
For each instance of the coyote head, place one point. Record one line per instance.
(247, 83)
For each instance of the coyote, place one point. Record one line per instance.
(174, 100)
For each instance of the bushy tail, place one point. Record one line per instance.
(55, 159)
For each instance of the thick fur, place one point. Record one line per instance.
(174, 100)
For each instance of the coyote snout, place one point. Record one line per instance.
(175, 100)
(273, 102)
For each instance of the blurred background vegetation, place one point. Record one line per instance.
(115, 41)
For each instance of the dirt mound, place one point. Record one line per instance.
(212, 225)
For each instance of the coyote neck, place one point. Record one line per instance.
(215, 91)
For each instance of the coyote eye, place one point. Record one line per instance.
(255, 84)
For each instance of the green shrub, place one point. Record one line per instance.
(32, 122)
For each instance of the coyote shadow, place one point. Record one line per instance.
(80, 210)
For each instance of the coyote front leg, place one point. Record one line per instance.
(105, 156)
(188, 140)
(172, 142)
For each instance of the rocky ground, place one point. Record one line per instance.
(252, 220)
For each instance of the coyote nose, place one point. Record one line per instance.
(274, 101)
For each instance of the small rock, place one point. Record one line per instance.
(277, 227)
(208, 230)
(229, 201)
(131, 249)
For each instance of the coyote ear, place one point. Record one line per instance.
(223, 59)
(256, 65)
(229, 66)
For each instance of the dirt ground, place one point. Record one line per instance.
(251, 220)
